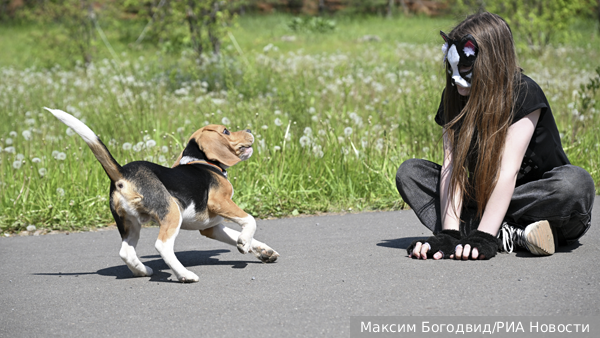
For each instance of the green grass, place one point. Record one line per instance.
(333, 117)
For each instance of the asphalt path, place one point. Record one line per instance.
(331, 268)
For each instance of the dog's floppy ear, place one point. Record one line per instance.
(217, 147)
(194, 136)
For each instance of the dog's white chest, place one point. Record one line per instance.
(194, 221)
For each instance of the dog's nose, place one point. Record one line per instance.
(248, 131)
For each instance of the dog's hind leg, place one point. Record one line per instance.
(170, 224)
(130, 237)
(227, 235)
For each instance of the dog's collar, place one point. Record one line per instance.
(192, 160)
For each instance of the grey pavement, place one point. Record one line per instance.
(331, 268)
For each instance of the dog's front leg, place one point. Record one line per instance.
(248, 224)
(226, 235)
(169, 229)
(226, 208)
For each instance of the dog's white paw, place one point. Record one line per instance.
(265, 253)
(144, 271)
(243, 245)
(188, 277)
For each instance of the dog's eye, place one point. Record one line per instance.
(226, 132)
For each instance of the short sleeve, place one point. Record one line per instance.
(530, 98)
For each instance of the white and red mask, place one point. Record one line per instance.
(460, 53)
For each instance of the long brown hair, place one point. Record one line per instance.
(477, 129)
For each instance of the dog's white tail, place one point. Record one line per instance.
(110, 165)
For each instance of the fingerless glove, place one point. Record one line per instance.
(445, 241)
(486, 244)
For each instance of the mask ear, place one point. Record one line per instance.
(217, 148)
(444, 36)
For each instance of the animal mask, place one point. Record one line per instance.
(460, 53)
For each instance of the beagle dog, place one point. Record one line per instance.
(194, 194)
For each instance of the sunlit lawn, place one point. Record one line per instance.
(334, 115)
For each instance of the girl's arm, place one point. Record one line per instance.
(517, 140)
(450, 206)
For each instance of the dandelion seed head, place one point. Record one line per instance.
(164, 149)
(307, 131)
(36, 160)
(20, 157)
(162, 159)
(150, 143)
(60, 192)
(138, 147)
(8, 141)
(42, 172)
(10, 150)
(225, 121)
(304, 141)
(17, 164)
(26, 134)
(70, 132)
(61, 156)
(277, 148)
(265, 127)
(13, 134)
(126, 146)
(278, 122)
(348, 131)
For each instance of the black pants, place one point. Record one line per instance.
(564, 197)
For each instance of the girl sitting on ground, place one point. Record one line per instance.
(505, 180)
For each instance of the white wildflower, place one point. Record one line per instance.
(304, 141)
(138, 147)
(26, 134)
(126, 146)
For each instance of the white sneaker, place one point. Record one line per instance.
(537, 238)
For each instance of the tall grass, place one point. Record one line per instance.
(333, 118)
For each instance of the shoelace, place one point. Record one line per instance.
(509, 236)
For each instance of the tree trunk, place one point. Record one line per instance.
(214, 38)
(195, 33)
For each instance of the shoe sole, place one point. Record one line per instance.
(540, 240)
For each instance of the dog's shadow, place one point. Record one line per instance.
(398, 243)
(187, 258)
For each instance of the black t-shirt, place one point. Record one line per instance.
(545, 151)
